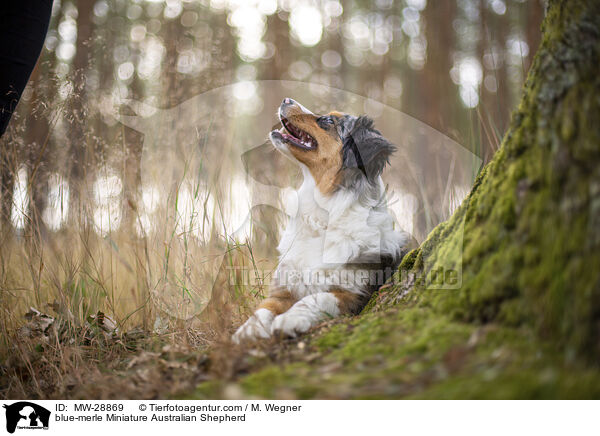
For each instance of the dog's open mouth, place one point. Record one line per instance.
(297, 136)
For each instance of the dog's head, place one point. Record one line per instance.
(338, 149)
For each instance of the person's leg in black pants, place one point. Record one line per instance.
(23, 27)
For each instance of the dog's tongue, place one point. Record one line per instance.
(286, 134)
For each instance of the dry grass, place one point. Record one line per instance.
(123, 313)
(112, 324)
(171, 297)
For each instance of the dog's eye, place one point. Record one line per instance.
(325, 122)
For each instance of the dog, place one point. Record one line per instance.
(341, 245)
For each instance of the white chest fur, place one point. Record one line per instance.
(328, 234)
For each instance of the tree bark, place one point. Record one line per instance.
(38, 148)
(8, 168)
(532, 221)
(77, 134)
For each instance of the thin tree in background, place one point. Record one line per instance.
(437, 89)
(78, 110)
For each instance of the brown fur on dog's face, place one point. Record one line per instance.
(322, 156)
(339, 150)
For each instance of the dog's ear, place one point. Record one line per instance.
(364, 148)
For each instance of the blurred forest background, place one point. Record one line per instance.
(458, 66)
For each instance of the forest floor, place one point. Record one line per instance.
(387, 352)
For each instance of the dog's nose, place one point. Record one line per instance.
(287, 101)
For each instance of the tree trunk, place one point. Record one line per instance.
(8, 168)
(37, 146)
(532, 221)
(437, 87)
(535, 13)
(78, 144)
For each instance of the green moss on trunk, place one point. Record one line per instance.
(531, 246)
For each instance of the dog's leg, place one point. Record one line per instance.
(259, 324)
(312, 309)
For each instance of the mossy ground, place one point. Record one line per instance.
(412, 353)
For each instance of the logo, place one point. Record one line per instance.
(26, 415)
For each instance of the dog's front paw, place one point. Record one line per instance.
(291, 324)
(258, 326)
